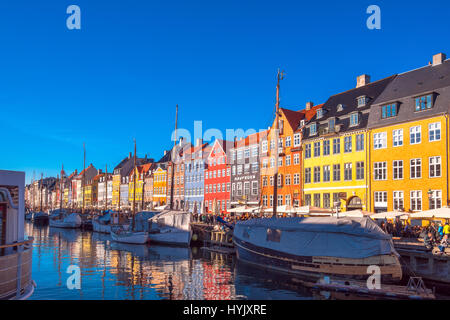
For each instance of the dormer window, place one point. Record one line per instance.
(319, 113)
(331, 124)
(424, 102)
(302, 123)
(340, 107)
(313, 129)
(389, 111)
(354, 119)
(362, 101)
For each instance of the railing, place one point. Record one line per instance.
(15, 269)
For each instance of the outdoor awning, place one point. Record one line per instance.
(441, 213)
(390, 215)
(355, 213)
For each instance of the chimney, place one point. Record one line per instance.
(199, 142)
(439, 58)
(309, 105)
(362, 80)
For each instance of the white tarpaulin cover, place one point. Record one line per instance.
(441, 213)
(389, 215)
(346, 237)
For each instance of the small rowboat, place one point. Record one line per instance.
(120, 234)
(415, 290)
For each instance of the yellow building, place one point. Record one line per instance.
(160, 185)
(335, 149)
(140, 175)
(409, 141)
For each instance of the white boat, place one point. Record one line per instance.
(16, 251)
(102, 224)
(171, 227)
(72, 221)
(122, 234)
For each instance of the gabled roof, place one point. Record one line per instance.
(349, 102)
(251, 139)
(406, 86)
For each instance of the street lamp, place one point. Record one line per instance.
(430, 198)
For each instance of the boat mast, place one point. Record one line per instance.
(275, 177)
(143, 186)
(134, 187)
(172, 178)
(82, 179)
(61, 184)
(40, 193)
(106, 187)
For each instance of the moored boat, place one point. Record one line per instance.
(171, 227)
(340, 247)
(40, 217)
(124, 235)
(72, 220)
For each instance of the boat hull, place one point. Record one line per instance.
(179, 238)
(64, 224)
(132, 238)
(317, 267)
(99, 227)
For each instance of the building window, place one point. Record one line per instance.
(316, 174)
(360, 142)
(389, 111)
(331, 124)
(307, 175)
(296, 178)
(319, 113)
(397, 137)
(436, 199)
(271, 181)
(297, 140)
(336, 172)
(288, 200)
(434, 131)
(307, 151)
(362, 101)
(435, 167)
(416, 200)
(246, 188)
(379, 140)
(336, 145)
(354, 119)
(272, 163)
(380, 170)
(239, 189)
(317, 149)
(416, 168)
(348, 171)
(296, 158)
(398, 200)
(380, 199)
(271, 200)
(264, 146)
(317, 200)
(288, 141)
(424, 102)
(326, 200)
(415, 135)
(326, 147)
(265, 201)
(288, 179)
(307, 199)
(288, 160)
(265, 181)
(348, 144)
(397, 169)
(313, 129)
(359, 170)
(326, 173)
(280, 200)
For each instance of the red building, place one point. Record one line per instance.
(218, 178)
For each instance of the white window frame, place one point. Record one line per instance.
(397, 137)
(414, 131)
(434, 127)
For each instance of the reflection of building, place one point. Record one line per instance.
(409, 129)
(335, 148)
(217, 282)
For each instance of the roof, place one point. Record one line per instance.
(406, 86)
(349, 102)
(251, 139)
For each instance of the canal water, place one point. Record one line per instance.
(111, 270)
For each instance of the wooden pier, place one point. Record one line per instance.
(417, 261)
(211, 238)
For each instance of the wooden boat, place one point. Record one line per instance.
(40, 217)
(415, 290)
(318, 246)
(72, 221)
(120, 234)
(171, 227)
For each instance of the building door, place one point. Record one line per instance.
(354, 203)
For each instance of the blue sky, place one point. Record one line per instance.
(122, 74)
